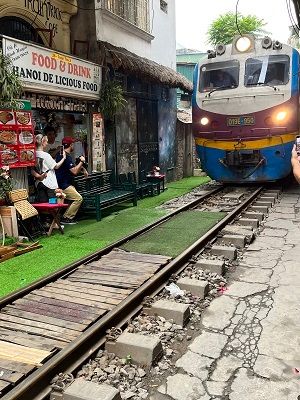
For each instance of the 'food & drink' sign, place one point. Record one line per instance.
(57, 73)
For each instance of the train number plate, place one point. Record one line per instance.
(240, 121)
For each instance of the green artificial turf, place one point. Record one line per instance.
(86, 237)
(178, 234)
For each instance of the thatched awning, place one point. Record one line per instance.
(133, 64)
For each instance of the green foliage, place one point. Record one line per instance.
(6, 182)
(10, 83)
(224, 28)
(111, 99)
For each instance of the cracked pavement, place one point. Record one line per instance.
(249, 344)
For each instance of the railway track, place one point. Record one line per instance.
(56, 324)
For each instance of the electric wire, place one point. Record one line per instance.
(236, 17)
(292, 16)
(295, 26)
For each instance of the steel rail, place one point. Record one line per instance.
(98, 253)
(36, 386)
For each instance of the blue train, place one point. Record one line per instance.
(246, 110)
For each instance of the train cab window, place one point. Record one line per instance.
(267, 70)
(219, 76)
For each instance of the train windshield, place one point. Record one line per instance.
(267, 70)
(220, 75)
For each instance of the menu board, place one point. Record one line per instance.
(98, 143)
(17, 144)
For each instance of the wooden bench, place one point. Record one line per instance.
(99, 192)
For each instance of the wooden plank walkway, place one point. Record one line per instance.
(43, 322)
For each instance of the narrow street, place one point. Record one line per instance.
(248, 347)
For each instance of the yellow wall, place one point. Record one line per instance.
(44, 14)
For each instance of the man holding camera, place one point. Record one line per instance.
(65, 176)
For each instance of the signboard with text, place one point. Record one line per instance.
(98, 143)
(51, 72)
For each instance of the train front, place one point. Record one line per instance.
(245, 110)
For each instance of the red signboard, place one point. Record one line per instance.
(17, 144)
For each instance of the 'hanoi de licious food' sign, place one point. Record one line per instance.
(53, 72)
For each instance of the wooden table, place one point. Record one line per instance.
(55, 211)
(160, 178)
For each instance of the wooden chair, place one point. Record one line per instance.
(26, 211)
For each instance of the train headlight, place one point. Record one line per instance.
(281, 116)
(204, 121)
(243, 44)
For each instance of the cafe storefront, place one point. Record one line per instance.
(63, 91)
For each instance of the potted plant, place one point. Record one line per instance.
(6, 183)
(10, 83)
(111, 99)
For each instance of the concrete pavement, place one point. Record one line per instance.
(249, 342)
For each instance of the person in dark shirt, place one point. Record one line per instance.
(65, 176)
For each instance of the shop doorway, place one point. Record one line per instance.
(147, 128)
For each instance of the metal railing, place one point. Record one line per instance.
(134, 11)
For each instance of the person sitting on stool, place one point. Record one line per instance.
(65, 176)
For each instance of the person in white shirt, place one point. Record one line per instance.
(45, 177)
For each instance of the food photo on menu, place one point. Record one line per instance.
(23, 118)
(7, 118)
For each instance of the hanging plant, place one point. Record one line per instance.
(111, 99)
(10, 83)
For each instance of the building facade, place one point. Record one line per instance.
(46, 23)
(70, 47)
(130, 43)
(63, 90)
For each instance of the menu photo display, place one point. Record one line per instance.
(17, 144)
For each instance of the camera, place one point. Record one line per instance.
(77, 161)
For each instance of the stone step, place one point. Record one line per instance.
(178, 312)
(213, 266)
(272, 193)
(267, 198)
(263, 203)
(254, 215)
(227, 252)
(80, 389)
(249, 221)
(236, 240)
(144, 350)
(239, 230)
(195, 286)
(262, 209)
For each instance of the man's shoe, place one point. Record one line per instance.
(68, 221)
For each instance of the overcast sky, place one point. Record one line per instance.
(193, 18)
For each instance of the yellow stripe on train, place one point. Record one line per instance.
(246, 144)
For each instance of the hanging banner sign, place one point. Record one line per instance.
(51, 72)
